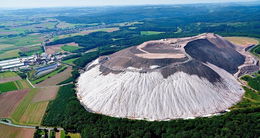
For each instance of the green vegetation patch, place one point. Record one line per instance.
(132, 28)
(151, 32)
(7, 75)
(8, 86)
(251, 99)
(69, 48)
(21, 40)
(253, 82)
(14, 85)
(70, 61)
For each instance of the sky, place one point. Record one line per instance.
(81, 3)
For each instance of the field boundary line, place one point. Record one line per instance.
(30, 82)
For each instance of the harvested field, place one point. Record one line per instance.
(29, 112)
(45, 94)
(53, 49)
(22, 84)
(10, 54)
(56, 78)
(7, 75)
(242, 41)
(3, 80)
(9, 101)
(14, 132)
(34, 113)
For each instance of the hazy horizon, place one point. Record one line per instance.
(83, 3)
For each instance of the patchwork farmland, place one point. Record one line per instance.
(14, 85)
(23, 104)
(32, 108)
(9, 102)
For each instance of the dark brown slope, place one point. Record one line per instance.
(220, 55)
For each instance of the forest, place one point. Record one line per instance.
(66, 111)
(171, 21)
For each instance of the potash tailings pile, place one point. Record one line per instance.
(164, 79)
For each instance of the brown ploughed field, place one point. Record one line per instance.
(15, 132)
(9, 101)
(46, 94)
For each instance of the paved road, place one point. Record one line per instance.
(9, 123)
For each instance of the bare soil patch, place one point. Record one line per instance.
(14, 132)
(242, 41)
(9, 101)
(3, 80)
(56, 78)
(46, 94)
(54, 49)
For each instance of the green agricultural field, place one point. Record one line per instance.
(12, 46)
(28, 51)
(14, 85)
(7, 75)
(132, 28)
(69, 48)
(70, 61)
(8, 86)
(28, 112)
(21, 40)
(9, 54)
(82, 33)
(150, 32)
